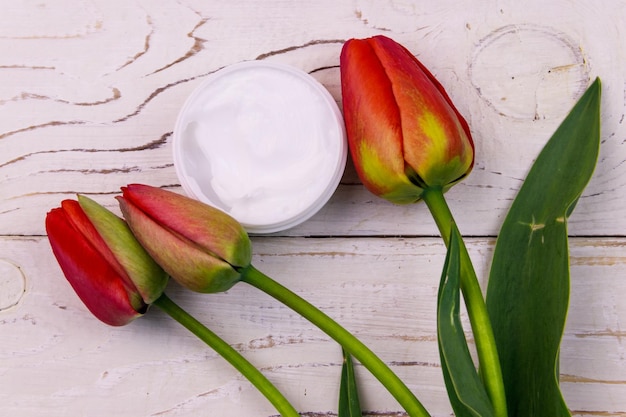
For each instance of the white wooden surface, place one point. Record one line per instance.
(89, 92)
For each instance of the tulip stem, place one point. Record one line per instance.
(231, 355)
(347, 340)
(489, 363)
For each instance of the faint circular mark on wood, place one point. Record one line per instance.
(12, 284)
(529, 72)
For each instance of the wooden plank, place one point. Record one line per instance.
(82, 115)
(55, 358)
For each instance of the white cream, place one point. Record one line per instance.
(264, 143)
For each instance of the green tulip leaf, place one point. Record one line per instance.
(349, 405)
(466, 391)
(528, 291)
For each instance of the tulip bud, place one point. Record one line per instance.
(111, 273)
(201, 247)
(404, 133)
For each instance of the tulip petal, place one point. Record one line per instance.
(79, 220)
(400, 191)
(93, 278)
(443, 93)
(185, 262)
(211, 229)
(437, 144)
(373, 122)
(146, 275)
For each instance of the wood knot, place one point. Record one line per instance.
(12, 284)
(529, 72)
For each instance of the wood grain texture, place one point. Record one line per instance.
(89, 93)
(57, 359)
(89, 98)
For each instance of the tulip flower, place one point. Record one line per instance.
(109, 270)
(409, 143)
(404, 133)
(200, 246)
(206, 250)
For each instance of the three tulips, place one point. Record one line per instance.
(408, 143)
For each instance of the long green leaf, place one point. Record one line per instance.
(528, 291)
(467, 394)
(349, 405)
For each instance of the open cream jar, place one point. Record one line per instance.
(263, 142)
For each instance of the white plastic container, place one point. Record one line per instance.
(263, 142)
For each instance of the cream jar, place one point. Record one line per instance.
(263, 142)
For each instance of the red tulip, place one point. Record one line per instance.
(201, 247)
(404, 133)
(109, 270)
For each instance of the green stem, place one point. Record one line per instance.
(347, 340)
(489, 362)
(231, 355)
